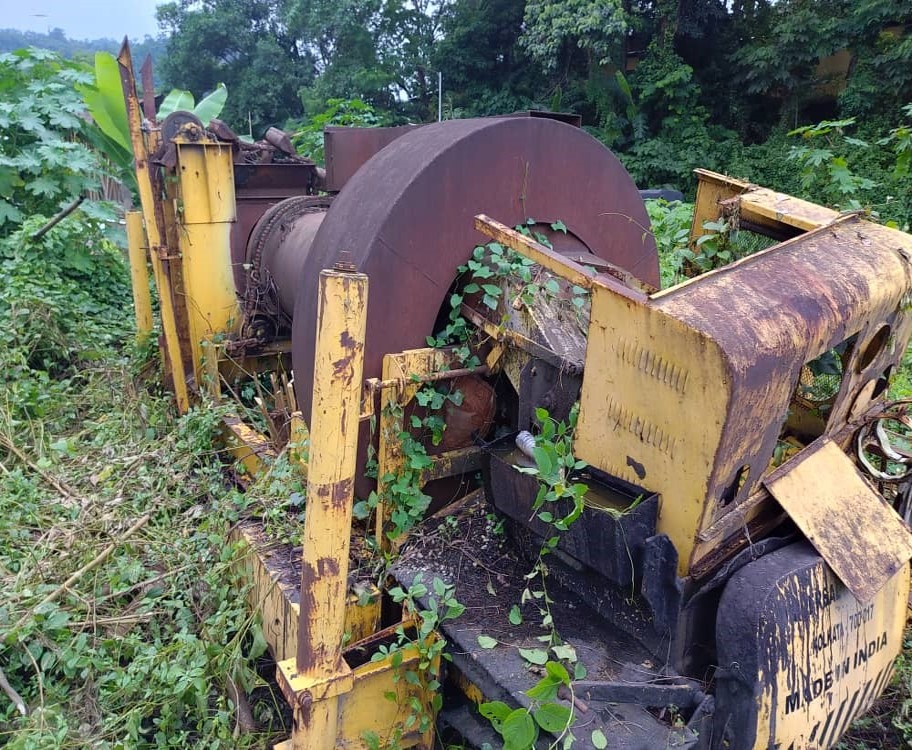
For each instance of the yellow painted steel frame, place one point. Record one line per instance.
(139, 274)
(372, 697)
(335, 704)
(685, 391)
(403, 374)
(265, 567)
(188, 239)
(170, 304)
(760, 206)
(318, 674)
(188, 212)
(206, 209)
(362, 692)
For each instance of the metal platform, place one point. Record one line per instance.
(466, 546)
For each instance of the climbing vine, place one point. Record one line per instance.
(430, 607)
(552, 701)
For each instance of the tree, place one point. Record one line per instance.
(485, 70)
(45, 163)
(409, 29)
(343, 36)
(778, 47)
(245, 45)
(378, 51)
(553, 28)
(880, 81)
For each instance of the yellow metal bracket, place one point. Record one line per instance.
(757, 205)
(299, 689)
(403, 375)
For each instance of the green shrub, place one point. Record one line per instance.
(65, 301)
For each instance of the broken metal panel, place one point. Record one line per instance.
(831, 502)
(776, 311)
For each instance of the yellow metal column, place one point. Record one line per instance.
(207, 210)
(139, 274)
(338, 370)
(155, 229)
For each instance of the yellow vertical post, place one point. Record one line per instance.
(338, 371)
(155, 228)
(139, 274)
(207, 200)
(389, 452)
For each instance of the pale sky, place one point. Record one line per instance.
(82, 19)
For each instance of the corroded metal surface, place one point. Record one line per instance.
(258, 187)
(799, 657)
(776, 311)
(277, 248)
(697, 382)
(827, 498)
(346, 149)
(406, 219)
(473, 416)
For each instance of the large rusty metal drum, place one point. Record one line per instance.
(406, 220)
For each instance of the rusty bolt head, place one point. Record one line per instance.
(344, 263)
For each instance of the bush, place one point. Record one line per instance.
(64, 301)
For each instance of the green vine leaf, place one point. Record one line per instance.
(552, 717)
(534, 656)
(496, 712)
(519, 731)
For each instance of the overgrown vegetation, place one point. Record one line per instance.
(669, 85)
(558, 503)
(46, 154)
(122, 623)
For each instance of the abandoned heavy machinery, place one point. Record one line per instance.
(639, 518)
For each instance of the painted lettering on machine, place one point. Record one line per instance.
(828, 662)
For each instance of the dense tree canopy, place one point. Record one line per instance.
(625, 65)
(666, 83)
(244, 44)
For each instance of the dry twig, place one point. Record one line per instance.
(244, 721)
(87, 568)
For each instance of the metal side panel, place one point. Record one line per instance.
(852, 527)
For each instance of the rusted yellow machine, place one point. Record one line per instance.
(737, 576)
